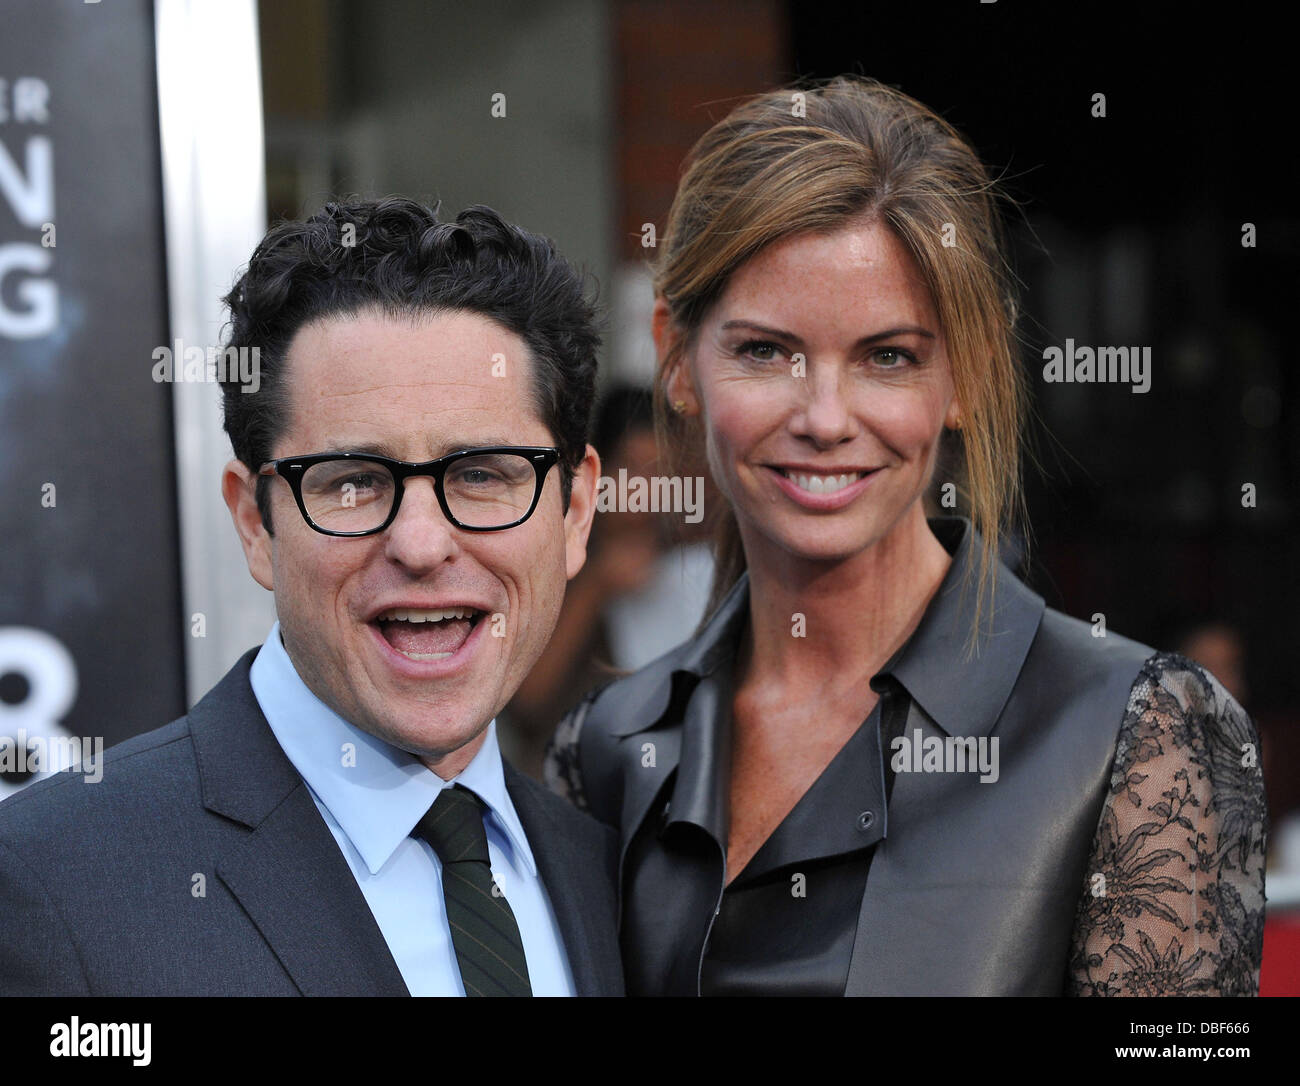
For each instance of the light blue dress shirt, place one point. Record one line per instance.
(371, 794)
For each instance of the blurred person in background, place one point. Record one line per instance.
(882, 765)
(1219, 648)
(641, 592)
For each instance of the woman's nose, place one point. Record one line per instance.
(825, 417)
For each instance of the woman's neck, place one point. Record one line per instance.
(855, 613)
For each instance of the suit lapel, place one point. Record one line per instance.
(288, 873)
(296, 886)
(570, 880)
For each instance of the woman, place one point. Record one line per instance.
(882, 766)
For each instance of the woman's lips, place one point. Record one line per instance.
(810, 498)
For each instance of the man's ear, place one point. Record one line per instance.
(678, 386)
(582, 508)
(239, 488)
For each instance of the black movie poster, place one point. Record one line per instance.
(90, 650)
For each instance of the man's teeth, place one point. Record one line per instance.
(406, 614)
(822, 484)
(420, 614)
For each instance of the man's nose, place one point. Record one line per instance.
(420, 536)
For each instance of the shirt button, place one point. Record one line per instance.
(866, 819)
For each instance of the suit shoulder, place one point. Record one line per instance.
(133, 778)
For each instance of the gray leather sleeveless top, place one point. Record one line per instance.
(977, 860)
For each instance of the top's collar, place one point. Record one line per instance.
(646, 695)
(963, 691)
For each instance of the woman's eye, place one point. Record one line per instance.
(759, 350)
(891, 358)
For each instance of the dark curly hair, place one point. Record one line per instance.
(405, 260)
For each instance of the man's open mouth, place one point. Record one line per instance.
(427, 634)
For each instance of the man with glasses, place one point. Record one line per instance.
(412, 481)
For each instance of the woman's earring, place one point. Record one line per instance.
(679, 406)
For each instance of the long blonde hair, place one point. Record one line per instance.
(795, 161)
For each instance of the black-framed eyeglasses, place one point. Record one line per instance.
(480, 490)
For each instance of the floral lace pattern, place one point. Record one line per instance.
(1173, 903)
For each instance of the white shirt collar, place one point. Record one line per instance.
(375, 791)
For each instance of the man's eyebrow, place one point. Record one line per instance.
(365, 448)
(481, 443)
(381, 448)
(795, 341)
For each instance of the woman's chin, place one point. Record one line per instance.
(822, 547)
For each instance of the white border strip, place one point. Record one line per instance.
(214, 206)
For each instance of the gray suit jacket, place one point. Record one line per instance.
(98, 882)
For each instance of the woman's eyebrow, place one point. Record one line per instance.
(790, 337)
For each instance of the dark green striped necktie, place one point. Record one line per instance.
(483, 929)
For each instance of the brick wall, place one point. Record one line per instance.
(680, 65)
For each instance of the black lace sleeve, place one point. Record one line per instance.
(560, 764)
(1174, 899)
